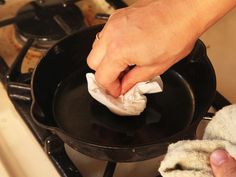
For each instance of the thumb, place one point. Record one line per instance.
(222, 164)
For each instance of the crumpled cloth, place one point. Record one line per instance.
(192, 158)
(132, 103)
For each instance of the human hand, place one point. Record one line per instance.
(222, 164)
(153, 35)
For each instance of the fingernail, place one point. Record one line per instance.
(219, 157)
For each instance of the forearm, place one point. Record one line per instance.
(210, 11)
(196, 15)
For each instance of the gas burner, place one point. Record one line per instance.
(47, 23)
(2, 2)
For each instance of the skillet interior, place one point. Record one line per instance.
(78, 114)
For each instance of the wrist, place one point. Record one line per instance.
(210, 11)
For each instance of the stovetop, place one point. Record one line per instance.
(16, 69)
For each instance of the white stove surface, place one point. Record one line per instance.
(20, 153)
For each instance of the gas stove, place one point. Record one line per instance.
(27, 30)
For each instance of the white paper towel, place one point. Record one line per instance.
(130, 104)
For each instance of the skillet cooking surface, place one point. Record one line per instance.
(78, 114)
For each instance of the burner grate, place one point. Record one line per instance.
(49, 24)
(46, 22)
(2, 2)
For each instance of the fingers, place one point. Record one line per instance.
(222, 164)
(97, 53)
(107, 59)
(100, 46)
(140, 74)
(108, 72)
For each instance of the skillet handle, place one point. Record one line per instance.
(198, 53)
(218, 103)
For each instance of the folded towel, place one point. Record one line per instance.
(192, 158)
(132, 103)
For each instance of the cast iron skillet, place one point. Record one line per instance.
(62, 104)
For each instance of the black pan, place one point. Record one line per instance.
(62, 104)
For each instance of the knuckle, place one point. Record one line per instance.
(117, 13)
(116, 22)
(91, 63)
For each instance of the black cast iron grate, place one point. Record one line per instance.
(46, 21)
